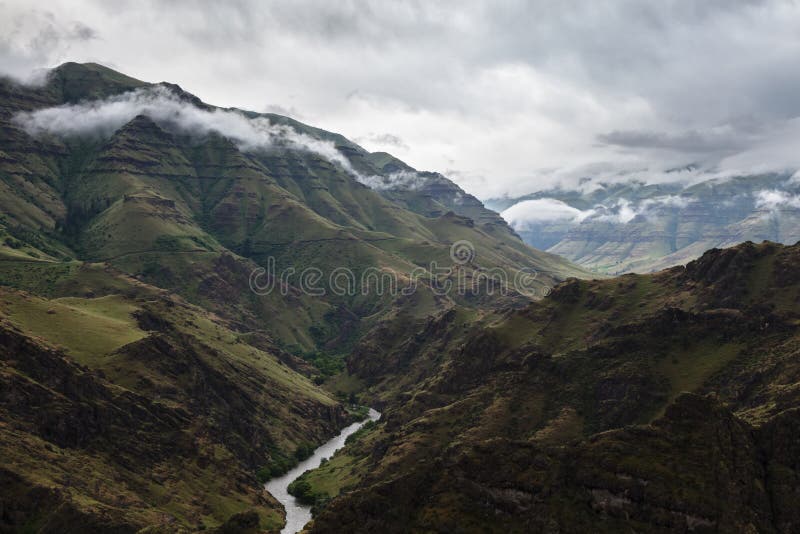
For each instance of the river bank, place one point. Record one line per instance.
(297, 513)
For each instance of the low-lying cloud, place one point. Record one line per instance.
(774, 200)
(528, 214)
(522, 214)
(102, 118)
(397, 180)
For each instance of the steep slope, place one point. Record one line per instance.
(160, 201)
(146, 382)
(429, 193)
(633, 227)
(571, 414)
(131, 408)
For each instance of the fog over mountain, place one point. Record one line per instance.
(163, 104)
(505, 98)
(633, 226)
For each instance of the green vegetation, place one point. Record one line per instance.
(360, 433)
(327, 364)
(573, 411)
(301, 489)
(279, 464)
(173, 228)
(84, 328)
(335, 475)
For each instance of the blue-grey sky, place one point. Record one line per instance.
(502, 96)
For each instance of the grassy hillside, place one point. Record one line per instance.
(142, 383)
(193, 213)
(573, 413)
(201, 405)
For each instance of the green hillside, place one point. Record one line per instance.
(161, 204)
(664, 402)
(127, 407)
(143, 384)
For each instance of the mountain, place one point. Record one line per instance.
(665, 402)
(193, 298)
(171, 330)
(133, 408)
(162, 203)
(637, 227)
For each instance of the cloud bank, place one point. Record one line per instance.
(522, 214)
(104, 117)
(774, 200)
(397, 180)
(101, 118)
(513, 97)
(527, 214)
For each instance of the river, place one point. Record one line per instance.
(297, 514)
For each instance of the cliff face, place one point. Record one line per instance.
(663, 402)
(638, 228)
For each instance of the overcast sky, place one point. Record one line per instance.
(502, 96)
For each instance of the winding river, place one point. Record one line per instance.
(297, 514)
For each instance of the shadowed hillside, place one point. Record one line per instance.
(663, 402)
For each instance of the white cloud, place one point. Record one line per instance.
(526, 214)
(774, 200)
(396, 180)
(104, 117)
(625, 213)
(522, 214)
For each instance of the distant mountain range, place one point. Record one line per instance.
(615, 228)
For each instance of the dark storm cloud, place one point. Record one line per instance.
(516, 90)
(722, 141)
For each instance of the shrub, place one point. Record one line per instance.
(301, 489)
(304, 451)
(278, 465)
